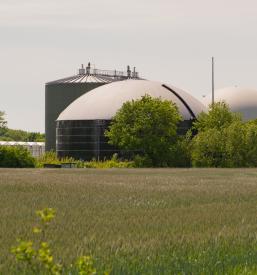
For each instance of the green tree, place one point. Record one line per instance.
(234, 138)
(220, 141)
(208, 149)
(147, 126)
(251, 143)
(219, 116)
(3, 123)
(224, 140)
(20, 135)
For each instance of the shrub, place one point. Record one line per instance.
(36, 256)
(16, 157)
(114, 162)
(51, 158)
(142, 161)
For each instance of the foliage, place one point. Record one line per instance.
(180, 152)
(85, 266)
(208, 149)
(24, 252)
(51, 158)
(218, 117)
(37, 256)
(15, 157)
(251, 144)
(3, 122)
(142, 161)
(7, 134)
(46, 215)
(114, 162)
(147, 126)
(20, 135)
(224, 140)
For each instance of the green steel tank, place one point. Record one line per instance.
(59, 94)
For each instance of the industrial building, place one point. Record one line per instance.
(240, 100)
(81, 126)
(60, 93)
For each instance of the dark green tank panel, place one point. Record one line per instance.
(85, 139)
(57, 98)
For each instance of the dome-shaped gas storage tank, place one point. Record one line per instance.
(240, 100)
(60, 93)
(81, 126)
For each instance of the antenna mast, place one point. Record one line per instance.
(212, 81)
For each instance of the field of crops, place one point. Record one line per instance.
(137, 221)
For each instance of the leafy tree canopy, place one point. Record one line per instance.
(218, 117)
(17, 135)
(222, 139)
(3, 122)
(147, 126)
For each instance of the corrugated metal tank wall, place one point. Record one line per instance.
(85, 139)
(57, 97)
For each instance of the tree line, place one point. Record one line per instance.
(148, 129)
(7, 134)
(218, 138)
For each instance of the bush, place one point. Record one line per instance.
(16, 157)
(114, 162)
(36, 257)
(51, 158)
(142, 161)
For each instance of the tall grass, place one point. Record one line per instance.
(114, 162)
(147, 221)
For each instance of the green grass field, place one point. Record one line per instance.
(137, 221)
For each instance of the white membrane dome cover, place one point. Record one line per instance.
(240, 100)
(103, 102)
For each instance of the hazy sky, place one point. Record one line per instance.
(167, 40)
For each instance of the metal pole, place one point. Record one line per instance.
(213, 80)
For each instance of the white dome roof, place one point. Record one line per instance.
(240, 100)
(103, 102)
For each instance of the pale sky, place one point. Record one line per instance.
(167, 40)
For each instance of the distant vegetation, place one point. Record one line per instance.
(3, 122)
(149, 127)
(7, 134)
(114, 162)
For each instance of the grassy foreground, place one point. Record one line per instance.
(137, 221)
